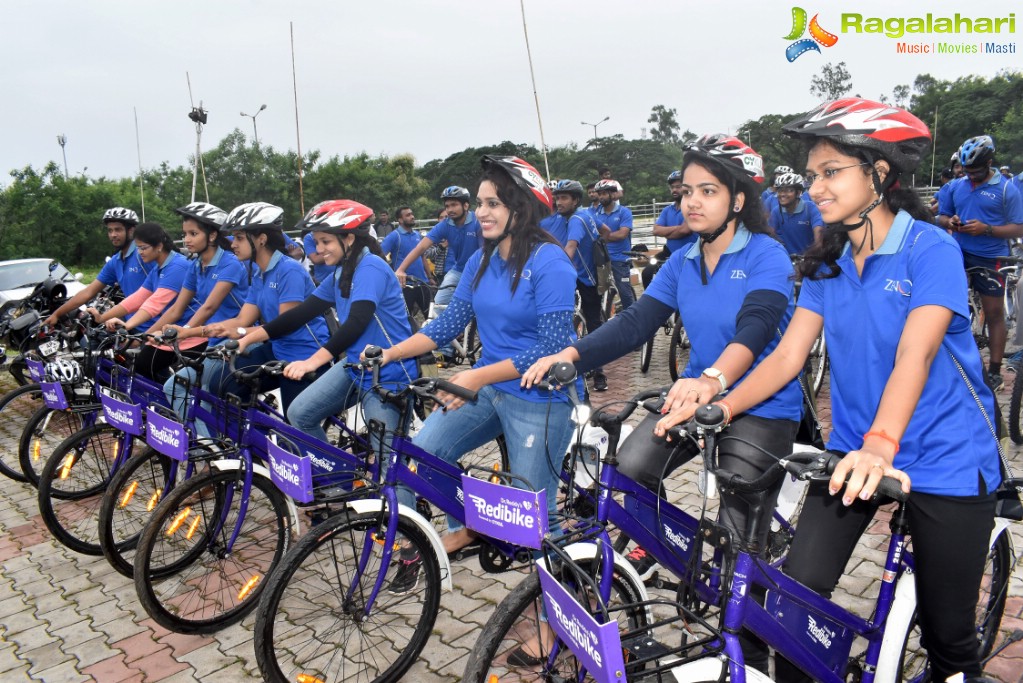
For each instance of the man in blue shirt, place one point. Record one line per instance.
(984, 211)
(396, 246)
(615, 224)
(795, 220)
(124, 268)
(670, 225)
(462, 232)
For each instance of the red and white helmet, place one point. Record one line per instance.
(735, 156)
(338, 217)
(524, 175)
(608, 185)
(890, 132)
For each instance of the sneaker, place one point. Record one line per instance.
(994, 380)
(407, 577)
(599, 381)
(643, 562)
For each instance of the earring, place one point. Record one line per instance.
(737, 208)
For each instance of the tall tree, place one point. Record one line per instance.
(833, 82)
(665, 126)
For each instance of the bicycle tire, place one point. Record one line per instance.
(306, 624)
(608, 303)
(678, 352)
(914, 662)
(517, 617)
(646, 352)
(817, 364)
(192, 583)
(44, 431)
(71, 485)
(473, 345)
(1015, 425)
(16, 406)
(129, 501)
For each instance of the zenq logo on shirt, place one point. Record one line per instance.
(903, 287)
(738, 274)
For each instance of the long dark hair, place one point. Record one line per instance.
(221, 240)
(524, 225)
(827, 251)
(153, 234)
(350, 261)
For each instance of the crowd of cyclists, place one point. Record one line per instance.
(881, 274)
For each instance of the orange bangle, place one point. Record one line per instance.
(728, 410)
(882, 434)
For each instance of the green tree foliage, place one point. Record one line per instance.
(665, 127)
(764, 135)
(833, 82)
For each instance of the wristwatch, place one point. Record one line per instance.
(714, 373)
(242, 331)
(989, 230)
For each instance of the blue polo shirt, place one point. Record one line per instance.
(947, 442)
(171, 275)
(795, 228)
(752, 262)
(995, 202)
(286, 280)
(223, 267)
(373, 281)
(671, 215)
(463, 240)
(128, 271)
(397, 245)
(619, 217)
(509, 323)
(322, 271)
(581, 229)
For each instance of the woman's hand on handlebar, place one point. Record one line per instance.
(297, 369)
(537, 372)
(470, 379)
(221, 330)
(684, 397)
(94, 312)
(113, 324)
(864, 469)
(386, 356)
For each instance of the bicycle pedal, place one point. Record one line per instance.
(468, 551)
(657, 582)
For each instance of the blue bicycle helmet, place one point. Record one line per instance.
(977, 151)
(455, 192)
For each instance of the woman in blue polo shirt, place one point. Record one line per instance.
(154, 298)
(520, 287)
(908, 397)
(367, 297)
(278, 284)
(214, 289)
(734, 290)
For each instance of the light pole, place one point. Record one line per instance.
(62, 141)
(255, 135)
(595, 125)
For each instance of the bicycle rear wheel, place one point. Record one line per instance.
(817, 364)
(678, 352)
(517, 620)
(1015, 418)
(71, 485)
(189, 575)
(16, 407)
(313, 621)
(646, 352)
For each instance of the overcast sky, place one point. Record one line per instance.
(426, 77)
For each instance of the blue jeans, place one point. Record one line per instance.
(221, 382)
(623, 282)
(178, 397)
(334, 392)
(443, 297)
(537, 439)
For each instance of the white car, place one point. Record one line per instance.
(19, 277)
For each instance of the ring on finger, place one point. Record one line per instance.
(878, 466)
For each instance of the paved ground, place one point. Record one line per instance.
(67, 617)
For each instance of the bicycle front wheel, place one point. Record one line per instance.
(16, 406)
(646, 352)
(319, 620)
(1015, 418)
(71, 485)
(678, 352)
(193, 573)
(517, 620)
(45, 430)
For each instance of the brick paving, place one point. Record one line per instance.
(68, 617)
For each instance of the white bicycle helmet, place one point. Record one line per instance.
(64, 371)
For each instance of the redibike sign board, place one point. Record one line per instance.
(598, 646)
(166, 436)
(293, 474)
(125, 416)
(36, 370)
(53, 395)
(506, 513)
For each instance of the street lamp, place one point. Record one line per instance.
(62, 141)
(255, 135)
(595, 125)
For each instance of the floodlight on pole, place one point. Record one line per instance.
(62, 141)
(595, 125)
(255, 135)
